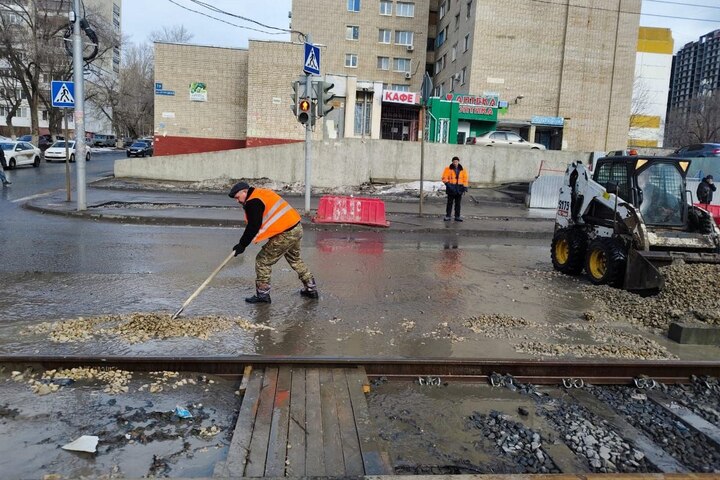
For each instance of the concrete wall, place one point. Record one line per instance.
(351, 162)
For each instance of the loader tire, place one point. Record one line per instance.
(605, 262)
(568, 251)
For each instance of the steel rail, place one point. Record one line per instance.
(456, 369)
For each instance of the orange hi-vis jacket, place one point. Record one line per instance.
(278, 215)
(449, 176)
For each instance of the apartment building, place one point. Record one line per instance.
(562, 70)
(695, 70)
(653, 65)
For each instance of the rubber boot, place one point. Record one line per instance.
(262, 295)
(310, 289)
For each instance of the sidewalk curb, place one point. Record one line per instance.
(199, 222)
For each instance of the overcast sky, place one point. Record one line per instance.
(140, 17)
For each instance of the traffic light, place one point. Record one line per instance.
(304, 110)
(324, 97)
(298, 91)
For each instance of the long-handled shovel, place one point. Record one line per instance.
(204, 284)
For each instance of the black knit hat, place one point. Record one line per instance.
(709, 177)
(237, 187)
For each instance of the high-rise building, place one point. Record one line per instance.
(653, 65)
(695, 70)
(560, 70)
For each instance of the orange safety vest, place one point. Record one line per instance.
(278, 215)
(449, 176)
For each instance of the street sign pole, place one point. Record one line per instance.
(67, 157)
(426, 91)
(308, 140)
(79, 110)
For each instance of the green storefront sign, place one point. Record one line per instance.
(445, 113)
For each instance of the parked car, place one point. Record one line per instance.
(622, 153)
(20, 153)
(498, 138)
(57, 151)
(25, 138)
(46, 141)
(140, 149)
(698, 150)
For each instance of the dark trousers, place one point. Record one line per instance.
(456, 200)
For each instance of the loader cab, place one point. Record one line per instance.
(654, 185)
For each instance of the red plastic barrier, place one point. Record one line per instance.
(713, 209)
(358, 210)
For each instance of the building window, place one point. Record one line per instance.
(363, 113)
(383, 63)
(385, 8)
(44, 115)
(453, 53)
(457, 21)
(353, 5)
(463, 72)
(351, 60)
(469, 7)
(405, 9)
(467, 43)
(352, 32)
(400, 88)
(384, 35)
(403, 38)
(443, 10)
(440, 39)
(440, 65)
(401, 65)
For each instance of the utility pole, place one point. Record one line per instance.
(79, 108)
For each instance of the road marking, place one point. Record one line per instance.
(31, 197)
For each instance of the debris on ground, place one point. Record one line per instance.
(139, 327)
(691, 292)
(86, 443)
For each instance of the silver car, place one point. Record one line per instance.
(498, 138)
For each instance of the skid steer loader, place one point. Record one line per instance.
(626, 219)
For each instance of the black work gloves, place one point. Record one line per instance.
(238, 249)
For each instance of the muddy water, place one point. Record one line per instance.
(138, 433)
(381, 294)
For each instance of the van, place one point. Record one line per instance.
(104, 141)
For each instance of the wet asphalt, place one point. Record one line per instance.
(394, 292)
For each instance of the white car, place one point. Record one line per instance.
(57, 151)
(20, 153)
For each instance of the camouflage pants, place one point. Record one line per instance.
(286, 244)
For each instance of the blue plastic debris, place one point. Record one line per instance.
(182, 412)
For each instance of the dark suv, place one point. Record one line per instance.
(698, 150)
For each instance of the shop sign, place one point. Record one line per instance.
(399, 97)
(485, 105)
(551, 121)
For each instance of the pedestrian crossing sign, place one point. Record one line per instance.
(312, 59)
(63, 94)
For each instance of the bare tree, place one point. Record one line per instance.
(640, 107)
(10, 98)
(33, 46)
(174, 34)
(699, 123)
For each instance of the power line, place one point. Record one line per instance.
(548, 2)
(218, 10)
(683, 4)
(225, 21)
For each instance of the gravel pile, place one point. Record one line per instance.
(644, 349)
(689, 447)
(592, 438)
(497, 325)
(115, 380)
(514, 441)
(138, 327)
(691, 293)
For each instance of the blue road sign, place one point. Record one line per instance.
(312, 59)
(63, 94)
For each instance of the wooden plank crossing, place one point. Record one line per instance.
(297, 422)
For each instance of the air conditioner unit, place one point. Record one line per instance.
(408, 75)
(410, 48)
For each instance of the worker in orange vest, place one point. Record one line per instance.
(455, 179)
(271, 218)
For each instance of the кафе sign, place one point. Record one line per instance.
(395, 96)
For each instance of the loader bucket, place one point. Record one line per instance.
(641, 275)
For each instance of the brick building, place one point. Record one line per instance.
(562, 71)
